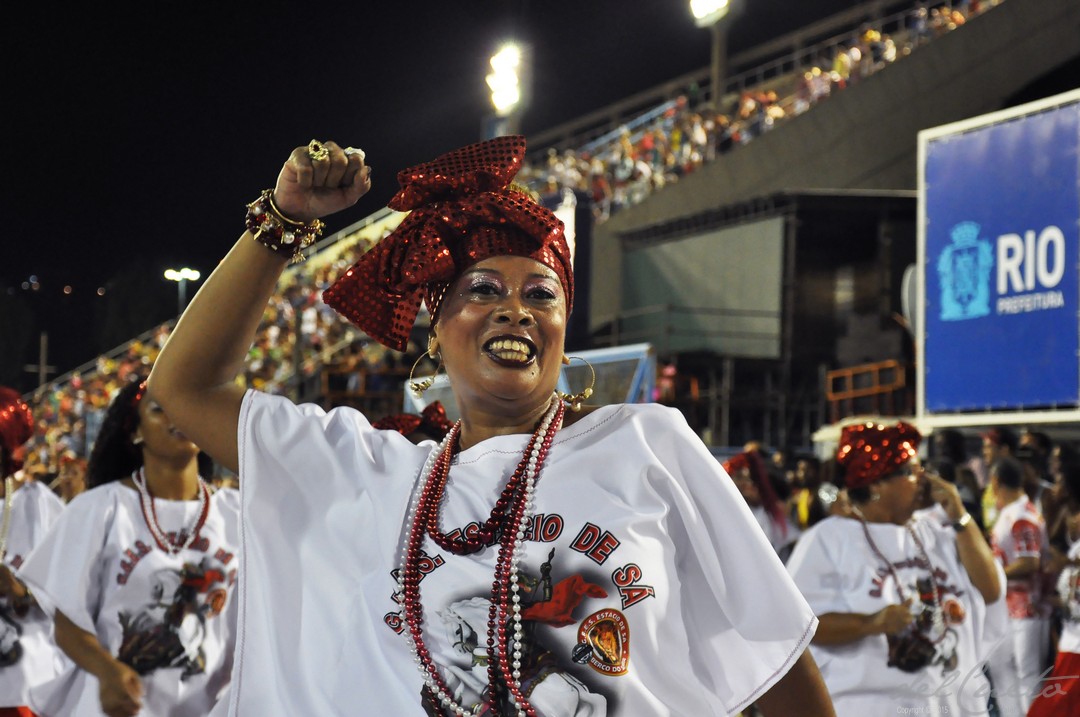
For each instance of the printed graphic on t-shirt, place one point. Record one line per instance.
(169, 630)
(552, 678)
(604, 642)
(930, 640)
(11, 624)
(1068, 588)
(10, 632)
(550, 687)
(1011, 540)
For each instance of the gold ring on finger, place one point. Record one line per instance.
(317, 151)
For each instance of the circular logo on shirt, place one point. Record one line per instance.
(606, 635)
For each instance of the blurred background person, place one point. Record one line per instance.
(71, 479)
(997, 443)
(28, 654)
(140, 572)
(906, 606)
(949, 444)
(1019, 542)
(1059, 694)
(751, 476)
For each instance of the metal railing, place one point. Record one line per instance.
(878, 387)
(781, 58)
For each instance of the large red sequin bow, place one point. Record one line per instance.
(432, 420)
(461, 211)
(871, 451)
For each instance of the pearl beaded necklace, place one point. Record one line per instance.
(509, 519)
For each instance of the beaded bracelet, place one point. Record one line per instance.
(276, 231)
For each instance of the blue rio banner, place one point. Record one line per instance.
(1002, 217)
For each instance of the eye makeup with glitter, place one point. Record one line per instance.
(543, 290)
(485, 284)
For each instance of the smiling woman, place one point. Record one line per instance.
(139, 572)
(538, 561)
(908, 595)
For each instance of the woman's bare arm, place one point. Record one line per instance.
(800, 692)
(842, 628)
(120, 688)
(194, 378)
(975, 554)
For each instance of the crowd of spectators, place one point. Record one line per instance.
(300, 335)
(646, 156)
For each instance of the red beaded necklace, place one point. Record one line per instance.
(493, 527)
(187, 535)
(506, 525)
(938, 614)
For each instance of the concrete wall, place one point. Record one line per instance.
(865, 136)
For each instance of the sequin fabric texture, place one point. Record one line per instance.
(16, 425)
(432, 419)
(870, 451)
(462, 210)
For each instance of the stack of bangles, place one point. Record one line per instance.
(278, 232)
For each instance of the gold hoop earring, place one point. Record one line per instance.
(574, 400)
(420, 385)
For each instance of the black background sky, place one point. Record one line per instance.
(136, 132)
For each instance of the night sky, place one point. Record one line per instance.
(137, 132)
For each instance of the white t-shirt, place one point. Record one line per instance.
(1068, 589)
(1020, 532)
(28, 653)
(838, 572)
(171, 617)
(682, 608)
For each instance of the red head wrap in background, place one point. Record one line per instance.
(1002, 436)
(16, 427)
(754, 462)
(871, 451)
(462, 210)
(432, 420)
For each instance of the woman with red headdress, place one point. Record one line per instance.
(909, 607)
(28, 654)
(751, 477)
(537, 561)
(139, 574)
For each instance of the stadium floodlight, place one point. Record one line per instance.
(184, 274)
(505, 79)
(181, 277)
(710, 14)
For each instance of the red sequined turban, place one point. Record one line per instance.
(432, 420)
(16, 426)
(462, 210)
(871, 451)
